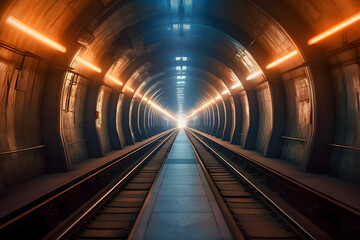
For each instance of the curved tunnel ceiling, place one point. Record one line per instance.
(184, 52)
(224, 41)
(168, 37)
(166, 32)
(144, 38)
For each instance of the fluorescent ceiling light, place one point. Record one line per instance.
(236, 85)
(181, 68)
(174, 4)
(254, 75)
(188, 6)
(115, 80)
(341, 25)
(225, 92)
(88, 64)
(129, 88)
(188, 2)
(282, 59)
(35, 34)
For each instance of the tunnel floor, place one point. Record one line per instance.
(182, 205)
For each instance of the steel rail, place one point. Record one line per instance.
(278, 208)
(294, 181)
(111, 190)
(78, 182)
(234, 229)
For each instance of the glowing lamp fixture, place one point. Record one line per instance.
(188, 2)
(88, 64)
(236, 85)
(186, 26)
(193, 113)
(129, 88)
(282, 59)
(115, 80)
(145, 99)
(348, 21)
(181, 58)
(174, 5)
(254, 75)
(35, 34)
(225, 92)
(181, 67)
(180, 77)
(160, 109)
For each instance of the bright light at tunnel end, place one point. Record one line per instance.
(181, 123)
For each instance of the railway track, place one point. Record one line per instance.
(81, 208)
(246, 207)
(311, 213)
(256, 203)
(113, 215)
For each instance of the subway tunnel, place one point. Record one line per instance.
(84, 83)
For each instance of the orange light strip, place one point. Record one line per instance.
(225, 92)
(202, 107)
(193, 113)
(129, 88)
(35, 34)
(254, 75)
(115, 80)
(88, 64)
(236, 86)
(218, 97)
(348, 21)
(205, 105)
(282, 59)
(160, 109)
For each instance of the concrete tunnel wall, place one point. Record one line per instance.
(305, 112)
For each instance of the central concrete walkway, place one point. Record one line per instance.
(181, 205)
